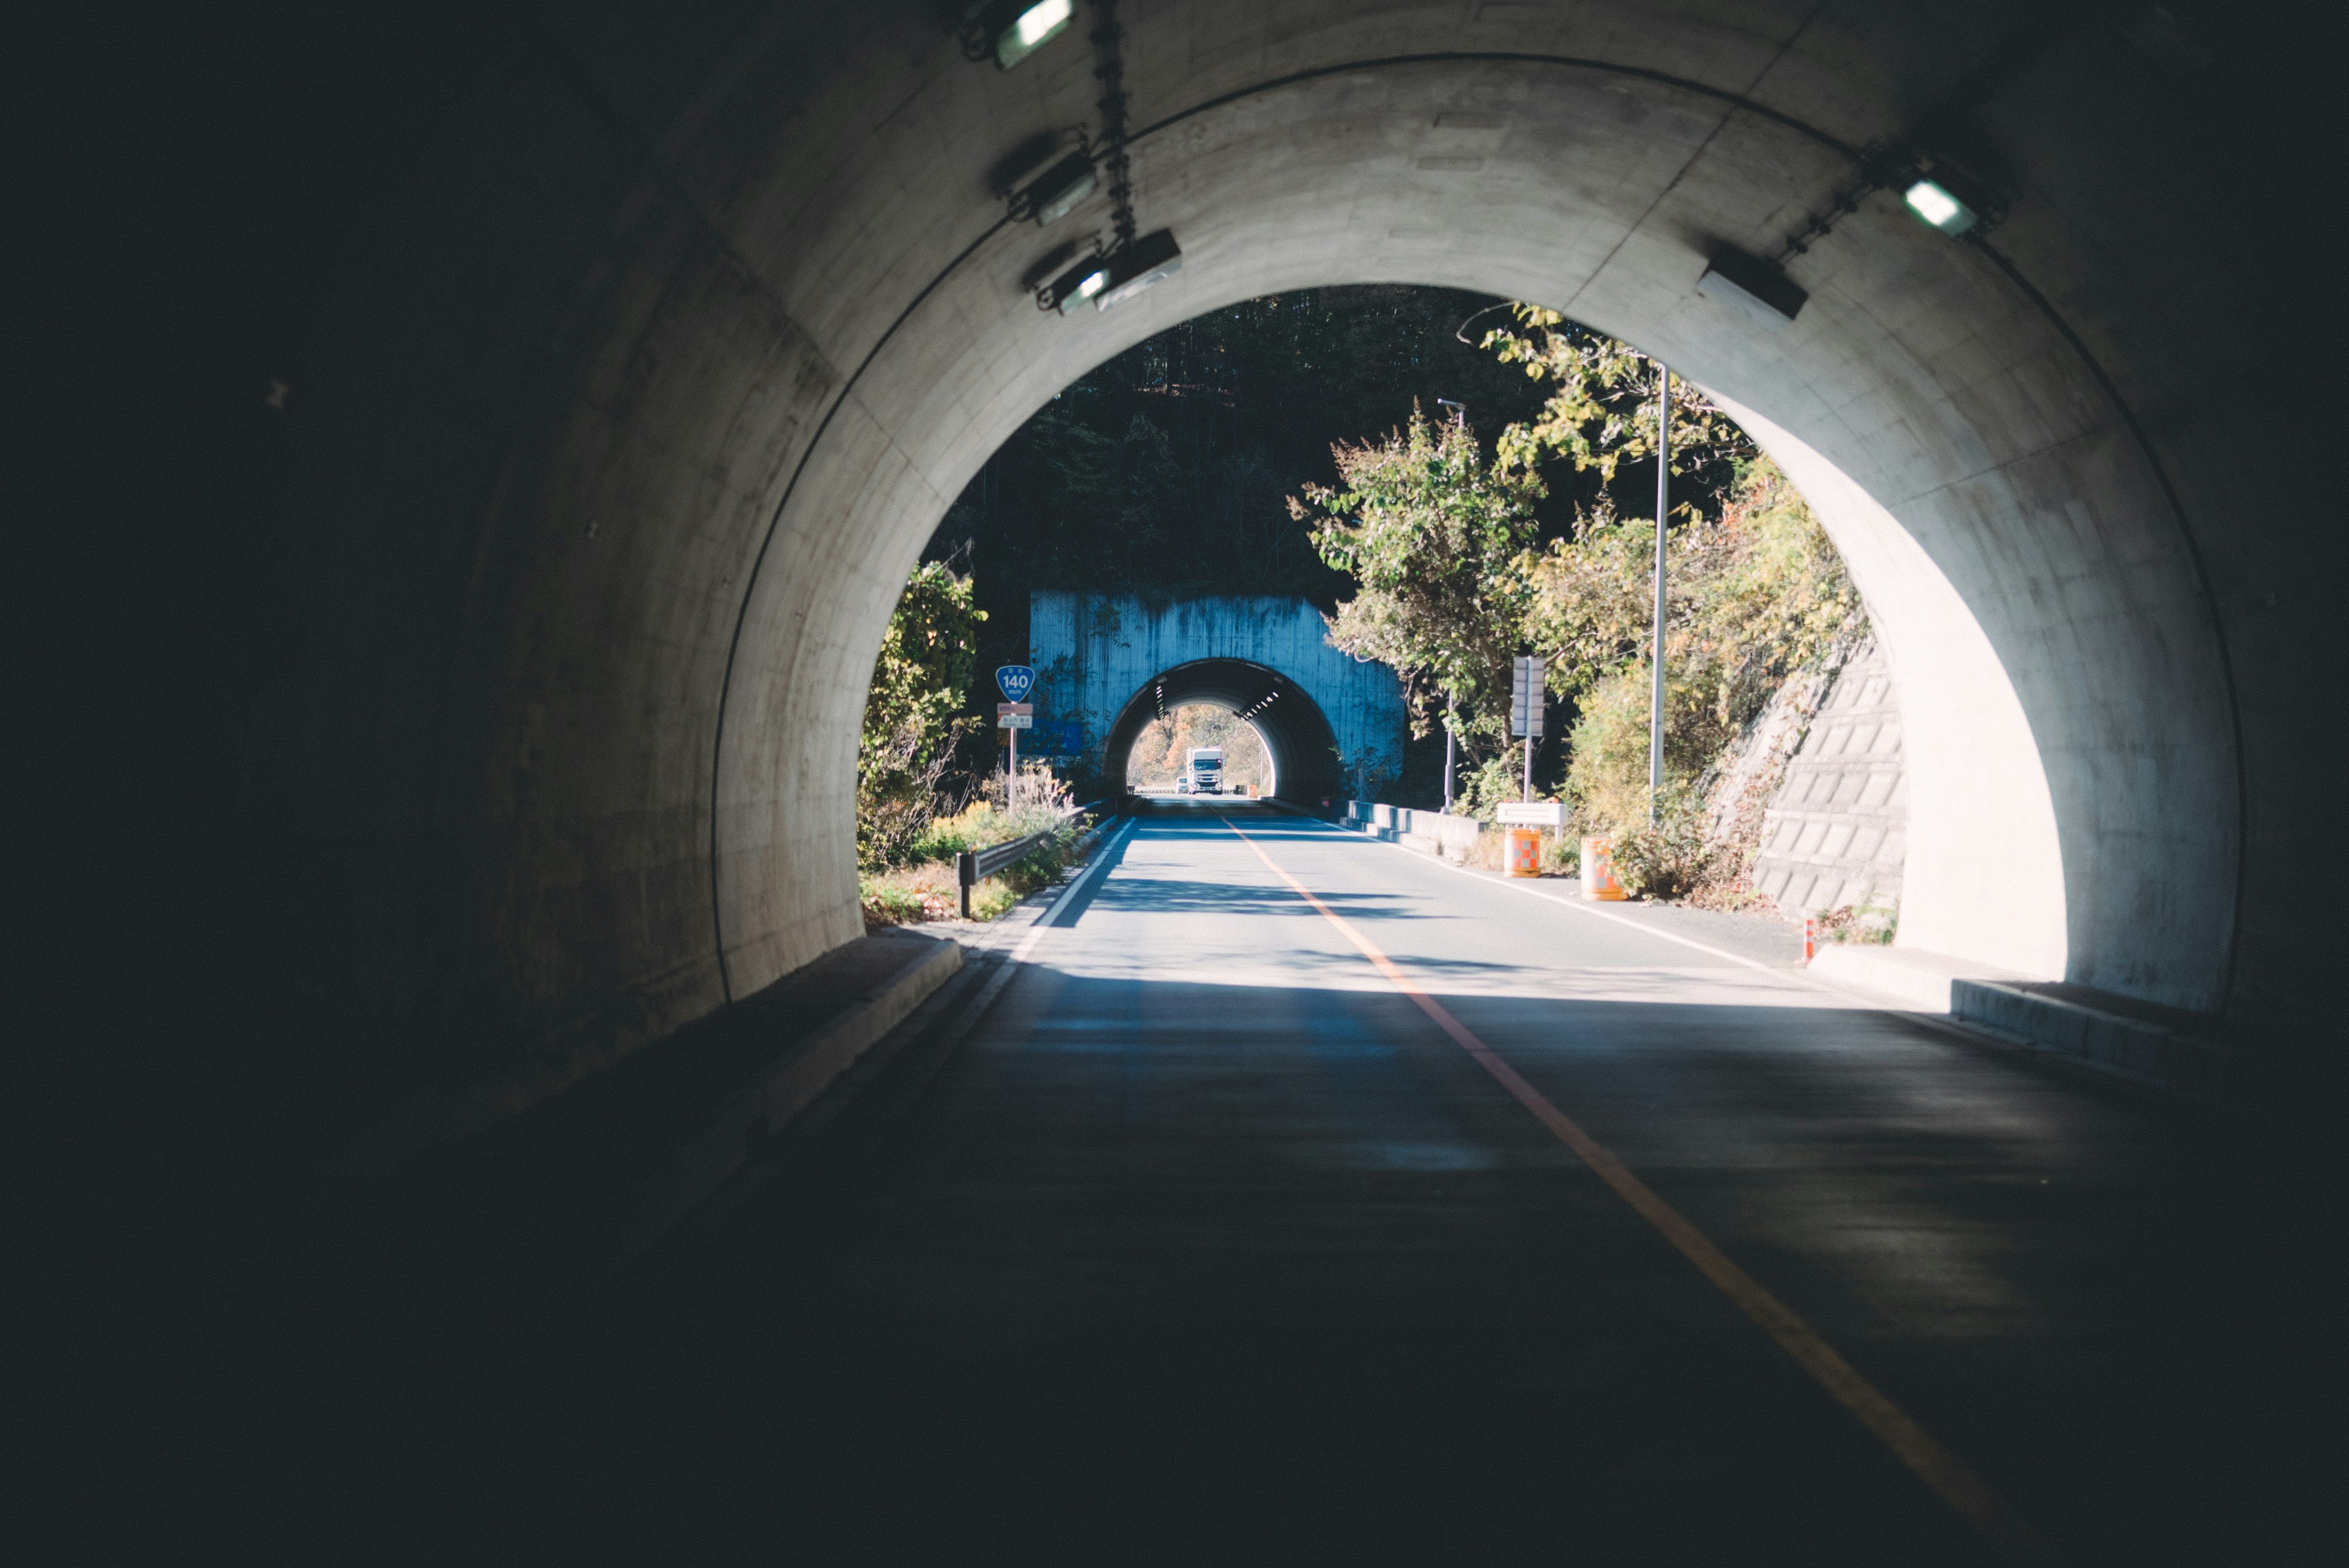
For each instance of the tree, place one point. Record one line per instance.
(910, 728)
(1602, 412)
(1430, 533)
(1755, 596)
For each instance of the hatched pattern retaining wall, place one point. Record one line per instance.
(1837, 833)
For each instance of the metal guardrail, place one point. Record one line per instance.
(973, 866)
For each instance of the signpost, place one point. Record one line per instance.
(1014, 715)
(1526, 710)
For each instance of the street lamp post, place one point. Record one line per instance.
(1664, 493)
(1451, 711)
(1452, 705)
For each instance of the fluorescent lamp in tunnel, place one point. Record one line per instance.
(1054, 193)
(1021, 30)
(1078, 284)
(1933, 202)
(1152, 258)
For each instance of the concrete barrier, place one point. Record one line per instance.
(1429, 831)
(2166, 1046)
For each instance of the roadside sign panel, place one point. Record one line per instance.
(1016, 721)
(1525, 698)
(1056, 738)
(1003, 707)
(1533, 813)
(1015, 680)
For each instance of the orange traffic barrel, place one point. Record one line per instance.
(1598, 870)
(1524, 852)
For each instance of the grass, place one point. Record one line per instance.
(927, 889)
(910, 895)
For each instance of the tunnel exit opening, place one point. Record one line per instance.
(1299, 746)
(1971, 848)
(1161, 760)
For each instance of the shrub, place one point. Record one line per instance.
(1562, 855)
(1670, 859)
(909, 730)
(1867, 923)
(929, 889)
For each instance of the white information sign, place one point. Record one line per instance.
(1016, 721)
(1533, 813)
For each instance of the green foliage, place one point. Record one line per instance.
(1670, 859)
(1591, 599)
(1601, 412)
(1607, 775)
(1755, 594)
(1866, 924)
(910, 728)
(924, 885)
(1428, 531)
(1478, 789)
(1562, 854)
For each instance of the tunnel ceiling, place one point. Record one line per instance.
(1296, 733)
(650, 366)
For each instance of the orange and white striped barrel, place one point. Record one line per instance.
(1524, 852)
(1598, 870)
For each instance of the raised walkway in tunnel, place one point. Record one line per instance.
(1210, 1242)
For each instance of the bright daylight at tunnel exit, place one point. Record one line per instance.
(1118, 781)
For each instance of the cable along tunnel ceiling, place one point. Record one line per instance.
(756, 359)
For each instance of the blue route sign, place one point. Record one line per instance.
(1015, 679)
(1056, 738)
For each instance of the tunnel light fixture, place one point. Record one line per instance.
(1946, 198)
(1151, 259)
(1940, 207)
(1011, 30)
(1054, 193)
(1750, 285)
(1076, 285)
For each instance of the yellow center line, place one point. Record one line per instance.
(2005, 1531)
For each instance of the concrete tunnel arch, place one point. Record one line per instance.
(732, 316)
(1298, 736)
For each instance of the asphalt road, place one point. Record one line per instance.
(1212, 1241)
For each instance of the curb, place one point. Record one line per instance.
(781, 1091)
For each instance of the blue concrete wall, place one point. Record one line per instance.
(1092, 652)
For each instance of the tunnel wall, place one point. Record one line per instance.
(1984, 879)
(1094, 652)
(654, 344)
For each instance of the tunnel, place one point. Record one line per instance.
(477, 451)
(1297, 736)
(611, 371)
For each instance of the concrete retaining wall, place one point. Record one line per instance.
(1095, 653)
(1836, 834)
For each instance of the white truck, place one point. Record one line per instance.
(1202, 772)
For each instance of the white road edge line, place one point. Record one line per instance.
(1578, 906)
(1043, 922)
(975, 1008)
